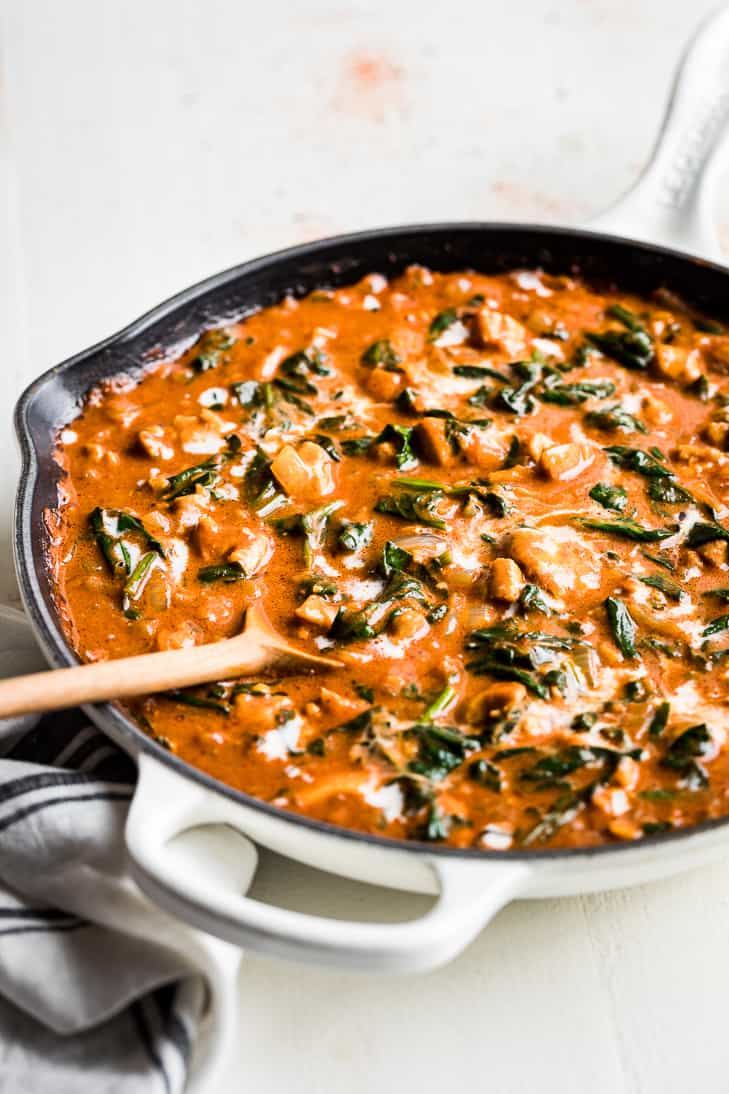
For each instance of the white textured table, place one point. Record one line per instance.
(147, 144)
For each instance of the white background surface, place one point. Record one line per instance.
(145, 145)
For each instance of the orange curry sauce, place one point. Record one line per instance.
(498, 500)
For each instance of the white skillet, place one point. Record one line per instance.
(198, 878)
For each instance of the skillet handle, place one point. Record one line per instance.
(673, 202)
(203, 885)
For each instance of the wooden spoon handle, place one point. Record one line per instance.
(127, 676)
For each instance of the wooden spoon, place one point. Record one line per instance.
(256, 648)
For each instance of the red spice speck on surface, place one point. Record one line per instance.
(371, 71)
(514, 196)
(370, 85)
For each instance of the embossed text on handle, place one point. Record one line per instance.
(710, 116)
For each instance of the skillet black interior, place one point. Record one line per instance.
(55, 398)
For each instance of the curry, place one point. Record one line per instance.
(497, 500)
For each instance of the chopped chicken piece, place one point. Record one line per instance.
(495, 329)
(385, 452)
(542, 322)
(494, 700)
(439, 363)
(694, 453)
(306, 472)
(483, 449)
(660, 322)
(506, 580)
(715, 554)
(206, 536)
(216, 421)
(611, 800)
(716, 352)
(121, 408)
(317, 611)
(406, 342)
(418, 276)
(259, 713)
(538, 443)
(628, 773)
(189, 508)
(157, 523)
(655, 411)
(717, 433)
(384, 385)
(339, 706)
(557, 557)
(624, 828)
(374, 283)
(98, 454)
(203, 434)
(179, 637)
(564, 462)
(433, 443)
(197, 437)
(253, 552)
(153, 442)
(157, 480)
(678, 364)
(409, 623)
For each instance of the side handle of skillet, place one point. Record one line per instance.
(674, 201)
(204, 885)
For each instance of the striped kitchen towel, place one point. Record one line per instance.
(85, 1006)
